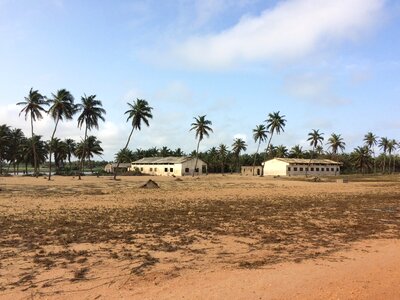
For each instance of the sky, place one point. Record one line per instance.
(327, 65)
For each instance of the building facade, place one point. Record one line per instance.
(299, 166)
(248, 170)
(169, 166)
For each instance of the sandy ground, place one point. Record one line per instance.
(213, 237)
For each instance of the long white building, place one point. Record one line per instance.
(299, 166)
(169, 166)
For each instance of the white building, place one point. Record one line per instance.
(169, 166)
(299, 166)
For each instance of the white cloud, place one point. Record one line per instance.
(290, 30)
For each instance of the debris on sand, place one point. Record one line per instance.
(178, 179)
(150, 184)
(315, 179)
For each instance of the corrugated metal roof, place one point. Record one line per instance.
(307, 161)
(163, 160)
(121, 165)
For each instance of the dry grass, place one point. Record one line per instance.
(239, 222)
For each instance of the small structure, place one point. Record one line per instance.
(300, 166)
(248, 170)
(150, 184)
(169, 166)
(123, 167)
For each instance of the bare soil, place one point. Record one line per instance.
(203, 237)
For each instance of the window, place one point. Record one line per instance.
(312, 169)
(166, 170)
(186, 170)
(155, 169)
(322, 169)
(197, 170)
(288, 168)
(295, 169)
(332, 169)
(141, 169)
(171, 169)
(301, 169)
(306, 169)
(317, 169)
(151, 169)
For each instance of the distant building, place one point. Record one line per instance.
(123, 167)
(248, 170)
(169, 166)
(299, 166)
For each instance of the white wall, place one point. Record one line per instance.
(171, 169)
(275, 167)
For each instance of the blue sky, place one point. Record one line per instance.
(327, 65)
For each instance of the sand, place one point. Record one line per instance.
(212, 237)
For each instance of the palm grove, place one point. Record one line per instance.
(68, 156)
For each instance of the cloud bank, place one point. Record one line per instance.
(289, 30)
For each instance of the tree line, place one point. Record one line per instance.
(17, 149)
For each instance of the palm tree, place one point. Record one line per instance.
(91, 111)
(5, 133)
(71, 147)
(370, 140)
(238, 146)
(34, 106)
(139, 112)
(91, 148)
(336, 143)
(202, 128)
(314, 137)
(362, 158)
(281, 151)
(391, 146)
(165, 151)
(15, 143)
(383, 144)
(275, 123)
(296, 151)
(61, 107)
(222, 153)
(260, 135)
(125, 156)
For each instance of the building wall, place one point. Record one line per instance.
(183, 169)
(314, 169)
(275, 167)
(248, 170)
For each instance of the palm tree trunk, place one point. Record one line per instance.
(119, 159)
(384, 162)
(309, 163)
(51, 143)
(255, 156)
(81, 167)
(197, 157)
(34, 150)
(373, 153)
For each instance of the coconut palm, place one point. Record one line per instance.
(336, 143)
(275, 124)
(259, 135)
(91, 112)
(281, 151)
(315, 138)
(370, 140)
(383, 144)
(5, 136)
(33, 106)
(15, 143)
(61, 107)
(361, 157)
(125, 156)
(71, 147)
(238, 146)
(391, 147)
(202, 128)
(138, 112)
(91, 148)
(296, 152)
(222, 154)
